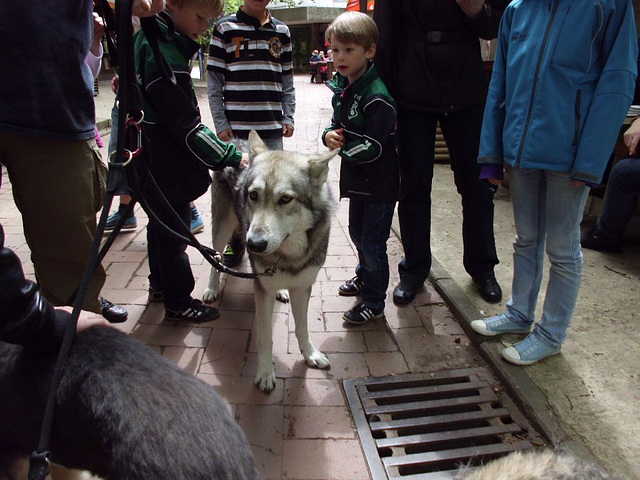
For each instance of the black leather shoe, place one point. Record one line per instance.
(405, 292)
(488, 288)
(113, 313)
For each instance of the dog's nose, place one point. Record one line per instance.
(257, 245)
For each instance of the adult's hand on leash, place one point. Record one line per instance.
(147, 8)
(86, 319)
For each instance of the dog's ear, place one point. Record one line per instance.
(319, 167)
(256, 145)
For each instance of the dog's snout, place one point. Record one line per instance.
(257, 245)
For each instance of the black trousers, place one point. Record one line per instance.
(169, 267)
(416, 145)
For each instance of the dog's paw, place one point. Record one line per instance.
(210, 295)
(317, 359)
(282, 296)
(266, 381)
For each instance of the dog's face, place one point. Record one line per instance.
(282, 190)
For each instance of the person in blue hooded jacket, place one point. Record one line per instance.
(562, 83)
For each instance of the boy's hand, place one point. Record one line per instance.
(494, 181)
(334, 139)
(287, 130)
(244, 163)
(226, 135)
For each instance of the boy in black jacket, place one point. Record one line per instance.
(182, 149)
(362, 127)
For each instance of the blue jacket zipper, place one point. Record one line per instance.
(535, 82)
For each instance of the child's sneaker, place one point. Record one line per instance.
(197, 225)
(232, 255)
(155, 295)
(361, 314)
(529, 351)
(351, 287)
(130, 223)
(196, 312)
(498, 325)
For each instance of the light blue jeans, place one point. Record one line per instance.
(547, 208)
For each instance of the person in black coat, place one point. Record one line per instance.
(26, 317)
(429, 57)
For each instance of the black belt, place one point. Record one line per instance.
(436, 36)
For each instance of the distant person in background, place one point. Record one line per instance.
(559, 92)
(429, 57)
(322, 67)
(313, 65)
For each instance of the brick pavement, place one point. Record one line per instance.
(303, 429)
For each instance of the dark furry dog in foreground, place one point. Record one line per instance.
(123, 413)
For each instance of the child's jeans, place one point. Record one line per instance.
(170, 271)
(369, 227)
(546, 205)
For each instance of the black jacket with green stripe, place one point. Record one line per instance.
(181, 148)
(369, 168)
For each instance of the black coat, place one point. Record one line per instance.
(429, 53)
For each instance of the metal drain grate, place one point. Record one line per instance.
(423, 426)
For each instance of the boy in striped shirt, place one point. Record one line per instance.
(250, 83)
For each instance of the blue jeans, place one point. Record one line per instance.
(622, 195)
(547, 208)
(369, 227)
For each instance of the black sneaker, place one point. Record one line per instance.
(196, 312)
(113, 313)
(351, 287)
(155, 295)
(232, 255)
(361, 314)
(594, 239)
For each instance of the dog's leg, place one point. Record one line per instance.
(266, 376)
(299, 307)
(223, 223)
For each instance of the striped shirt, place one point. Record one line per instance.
(251, 76)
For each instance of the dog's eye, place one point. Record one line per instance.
(284, 199)
(253, 195)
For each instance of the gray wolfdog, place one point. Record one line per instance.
(536, 465)
(284, 205)
(123, 413)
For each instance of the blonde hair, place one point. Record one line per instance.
(215, 6)
(353, 27)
